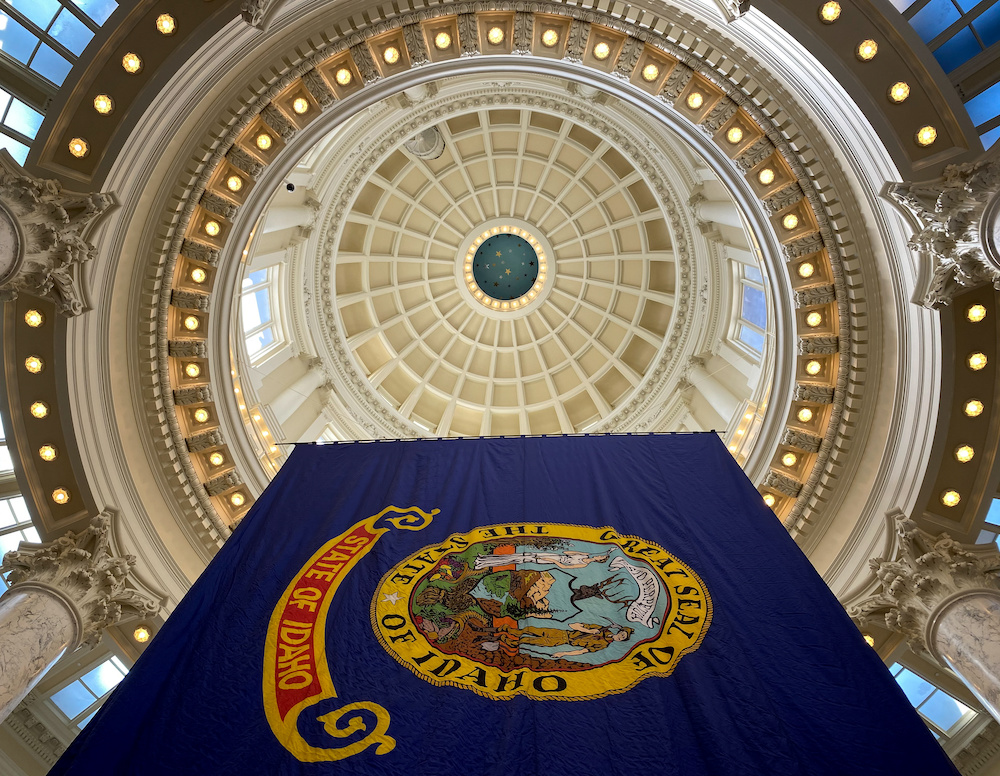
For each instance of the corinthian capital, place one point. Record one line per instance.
(929, 570)
(82, 568)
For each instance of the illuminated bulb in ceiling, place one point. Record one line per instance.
(964, 453)
(192, 370)
(973, 408)
(869, 639)
(804, 415)
(141, 634)
(198, 275)
(734, 135)
(814, 319)
(550, 38)
(216, 459)
(39, 409)
(60, 495)
(926, 135)
(201, 415)
(950, 498)
(813, 367)
(237, 499)
(829, 12)
(495, 35)
(212, 228)
(977, 361)
(344, 77)
(34, 318)
(442, 41)
(806, 269)
(789, 459)
(264, 141)
(103, 104)
(79, 147)
(47, 453)
(234, 183)
(166, 24)
(192, 322)
(650, 73)
(390, 54)
(769, 499)
(867, 49)
(132, 63)
(602, 51)
(790, 221)
(300, 105)
(34, 364)
(256, 417)
(975, 313)
(899, 91)
(695, 100)
(766, 176)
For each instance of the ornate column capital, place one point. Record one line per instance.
(959, 214)
(81, 568)
(41, 242)
(929, 571)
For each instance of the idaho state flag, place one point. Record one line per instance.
(563, 605)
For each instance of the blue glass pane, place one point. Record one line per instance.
(255, 278)
(752, 273)
(103, 679)
(83, 722)
(71, 32)
(933, 18)
(993, 516)
(18, 150)
(48, 64)
(752, 339)
(902, 5)
(260, 340)
(754, 308)
(23, 119)
(4, 102)
(988, 25)
(962, 47)
(984, 105)
(967, 5)
(38, 11)
(72, 699)
(943, 710)
(916, 689)
(98, 10)
(6, 465)
(16, 40)
(990, 137)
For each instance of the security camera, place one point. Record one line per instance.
(290, 187)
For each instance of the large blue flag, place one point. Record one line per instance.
(562, 605)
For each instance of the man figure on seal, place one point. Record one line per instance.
(586, 638)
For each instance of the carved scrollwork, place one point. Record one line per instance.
(817, 394)
(187, 348)
(219, 485)
(679, 77)
(809, 297)
(190, 300)
(818, 346)
(783, 484)
(204, 441)
(199, 394)
(801, 440)
(319, 88)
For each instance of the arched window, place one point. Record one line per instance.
(751, 323)
(259, 314)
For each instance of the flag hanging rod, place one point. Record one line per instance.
(519, 436)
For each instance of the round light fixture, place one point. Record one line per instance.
(829, 12)
(790, 221)
(234, 183)
(132, 63)
(926, 135)
(867, 49)
(192, 370)
(602, 51)
(60, 495)
(192, 322)
(495, 35)
(390, 54)
(198, 275)
(237, 499)
(804, 415)
(166, 24)
(103, 104)
(973, 408)
(442, 41)
(806, 269)
(650, 73)
(813, 367)
(34, 318)
(201, 415)
(264, 141)
(950, 498)
(47, 453)
(550, 38)
(769, 499)
(344, 77)
(79, 147)
(976, 361)
(695, 100)
(141, 634)
(814, 319)
(964, 453)
(789, 459)
(216, 459)
(734, 135)
(34, 364)
(39, 409)
(869, 639)
(766, 176)
(212, 228)
(899, 91)
(300, 105)
(975, 313)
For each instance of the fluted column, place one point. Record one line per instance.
(63, 594)
(290, 399)
(945, 598)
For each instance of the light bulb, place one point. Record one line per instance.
(192, 370)
(60, 495)
(899, 91)
(813, 367)
(300, 105)
(132, 63)
(975, 313)
(165, 24)
(201, 415)
(34, 364)
(650, 73)
(926, 135)
(79, 147)
(264, 141)
(950, 498)
(973, 408)
(790, 222)
(805, 415)
(344, 77)
(734, 135)
(34, 318)
(977, 361)
(806, 269)
(47, 453)
(602, 51)
(442, 41)
(103, 104)
(814, 319)
(198, 275)
(695, 100)
(390, 54)
(495, 35)
(789, 459)
(964, 453)
(867, 49)
(766, 176)
(829, 12)
(550, 38)
(39, 409)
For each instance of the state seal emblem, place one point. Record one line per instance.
(545, 610)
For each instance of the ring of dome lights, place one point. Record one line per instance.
(828, 375)
(472, 286)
